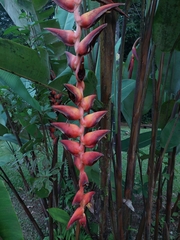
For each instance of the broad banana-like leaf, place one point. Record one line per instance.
(172, 83)
(9, 225)
(128, 86)
(65, 19)
(24, 61)
(14, 10)
(166, 31)
(144, 140)
(127, 103)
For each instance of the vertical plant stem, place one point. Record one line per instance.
(141, 227)
(107, 42)
(118, 166)
(50, 205)
(158, 205)
(171, 165)
(165, 234)
(112, 213)
(140, 90)
(174, 208)
(155, 118)
(77, 230)
(141, 177)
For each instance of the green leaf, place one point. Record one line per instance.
(30, 145)
(66, 19)
(128, 86)
(165, 28)
(33, 130)
(9, 225)
(3, 130)
(3, 117)
(60, 80)
(165, 113)
(42, 193)
(59, 215)
(15, 83)
(171, 134)
(39, 4)
(90, 83)
(11, 138)
(144, 140)
(127, 103)
(172, 84)
(24, 61)
(6, 154)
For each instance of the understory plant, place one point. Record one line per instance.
(83, 139)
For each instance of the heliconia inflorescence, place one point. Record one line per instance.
(83, 104)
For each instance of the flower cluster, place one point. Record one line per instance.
(83, 104)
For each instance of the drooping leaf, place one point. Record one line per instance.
(59, 215)
(15, 83)
(170, 134)
(11, 138)
(9, 225)
(165, 113)
(61, 79)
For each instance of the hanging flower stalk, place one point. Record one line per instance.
(83, 104)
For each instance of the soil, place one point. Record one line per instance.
(34, 206)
